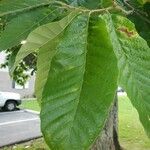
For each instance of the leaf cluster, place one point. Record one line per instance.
(82, 50)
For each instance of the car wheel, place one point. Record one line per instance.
(10, 105)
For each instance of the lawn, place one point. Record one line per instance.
(30, 104)
(131, 133)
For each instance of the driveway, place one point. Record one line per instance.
(18, 126)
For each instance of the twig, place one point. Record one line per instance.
(114, 7)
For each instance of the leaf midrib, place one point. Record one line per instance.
(86, 44)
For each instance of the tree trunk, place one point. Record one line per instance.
(108, 139)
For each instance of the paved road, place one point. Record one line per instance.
(18, 126)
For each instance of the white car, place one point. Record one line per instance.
(9, 100)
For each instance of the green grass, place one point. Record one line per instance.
(30, 104)
(131, 133)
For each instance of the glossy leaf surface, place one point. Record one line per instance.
(71, 116)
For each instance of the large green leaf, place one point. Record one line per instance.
(41, 36)
(19, 27)
(80, 86)
(133, 56)
(14, 5)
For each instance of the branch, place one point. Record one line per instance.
(114, 7)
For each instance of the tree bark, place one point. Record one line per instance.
(108, 139)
